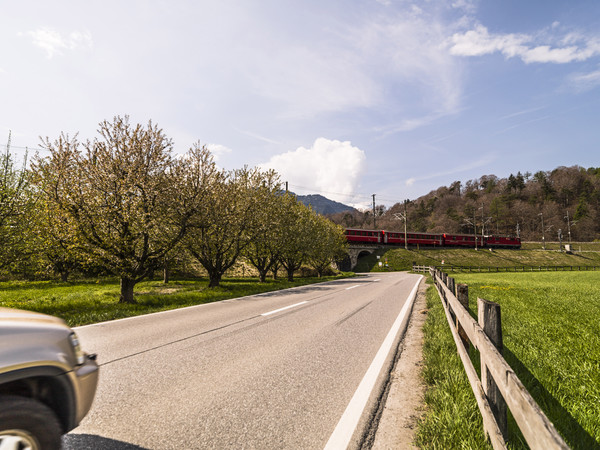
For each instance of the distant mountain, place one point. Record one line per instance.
(323, 205)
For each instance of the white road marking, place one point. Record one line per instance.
(341, 436)
(284, 308)
(352, 287)
(378, 279)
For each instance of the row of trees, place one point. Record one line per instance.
(126, 204)
(565, 198)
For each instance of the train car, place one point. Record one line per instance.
(430, 239)
(461, 240)
(365, 236)
(397, 238)
(502, 241)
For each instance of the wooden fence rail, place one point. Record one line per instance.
(499, 387)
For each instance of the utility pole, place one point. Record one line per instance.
(405, 220)
(475, 230)
(568, 225)
(560, 236)
(403, 216)
(543, 234)
(482, 225)
(474, 227)
(374, 223)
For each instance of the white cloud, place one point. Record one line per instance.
(384, 2)
(330, 167)
(53, 43)
(469, 6)
(405, 55)
(479, 41)
(485, 160)
(218, 150)
(356, 62)
(582, 82)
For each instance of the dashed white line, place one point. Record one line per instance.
(284, 308)
(352, 287)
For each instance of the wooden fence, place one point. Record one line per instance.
(499, 386)
(452, 268)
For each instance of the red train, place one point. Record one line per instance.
(430, 239)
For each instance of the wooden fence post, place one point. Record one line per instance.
(488, 315)
(462, 295)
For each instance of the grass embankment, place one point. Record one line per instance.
(85, 302)
(402, 259)
(551, 338)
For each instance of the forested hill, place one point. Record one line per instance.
(504, 205)
(323, 205)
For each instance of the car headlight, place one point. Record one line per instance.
(79, 354)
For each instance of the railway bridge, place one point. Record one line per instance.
(355, 251)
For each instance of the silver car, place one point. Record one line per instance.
(47, 382)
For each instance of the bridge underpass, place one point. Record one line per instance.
(356, 251)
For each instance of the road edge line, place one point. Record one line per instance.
(346, 427)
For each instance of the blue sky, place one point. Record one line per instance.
(343, 98)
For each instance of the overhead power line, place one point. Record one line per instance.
(363, 198)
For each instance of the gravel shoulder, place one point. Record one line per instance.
(404, 404)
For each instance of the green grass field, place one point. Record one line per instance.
(84, 302)
(551, 332)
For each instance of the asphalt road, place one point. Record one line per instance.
(273, 370)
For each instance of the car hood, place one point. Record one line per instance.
(18, 315)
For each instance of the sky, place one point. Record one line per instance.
(344, 98)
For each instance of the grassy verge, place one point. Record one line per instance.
(551, 337)
(85, 302)
(452, 419)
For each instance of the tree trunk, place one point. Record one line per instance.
(290, 274)
(166, 274)
(64, 275)
(262, 276)
(127, 285)
(214, 279)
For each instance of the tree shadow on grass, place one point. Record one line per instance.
(567, 426)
